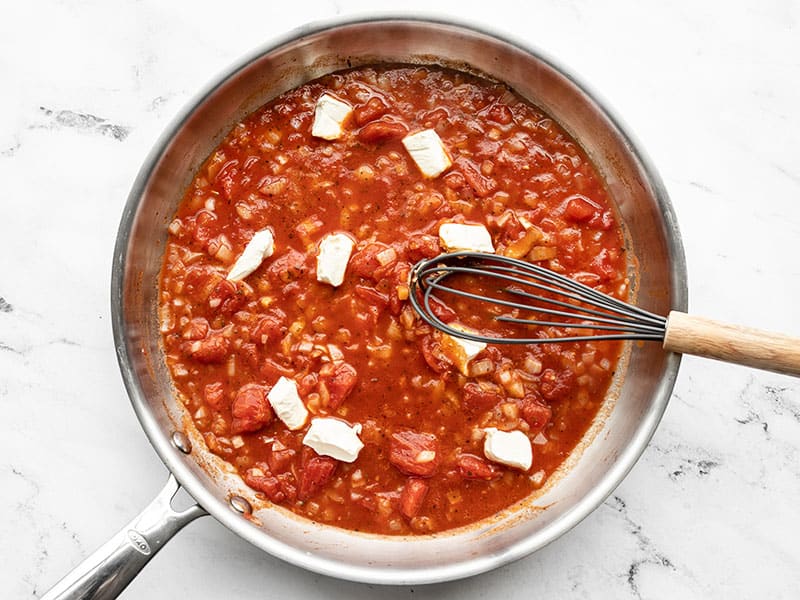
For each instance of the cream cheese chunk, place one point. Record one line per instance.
(329, 117)
(428, 151)
(286, 403)
(511, 448)
(457, 236)
(459, 350)
(260, 247)
(334, 254)
(334, 438)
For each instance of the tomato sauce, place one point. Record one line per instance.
(358, 352)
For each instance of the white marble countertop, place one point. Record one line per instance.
(710, 89)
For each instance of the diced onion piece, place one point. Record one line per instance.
(425, 456)
(521, 247)
(260, 247)
(329, 117)
(428, 151)
(481, 367)
(457, 236)
(532, 365)
(175, 227)
(542, 253)
(510, 410)
(335, 353)
(384, 257)
(511, 448)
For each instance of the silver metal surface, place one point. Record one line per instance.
(311, 52)
(241, 505)
(182, 442)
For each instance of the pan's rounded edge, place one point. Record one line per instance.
(174, 461)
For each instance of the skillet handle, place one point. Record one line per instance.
(113, 566)
(689, 334)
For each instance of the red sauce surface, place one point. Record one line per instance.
(358, 352)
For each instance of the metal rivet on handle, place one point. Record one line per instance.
(240, 505)
(181, 442)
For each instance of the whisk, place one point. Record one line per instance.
(556, 303)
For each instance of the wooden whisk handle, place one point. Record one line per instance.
(741, 345)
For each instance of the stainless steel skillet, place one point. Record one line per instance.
(610, 450)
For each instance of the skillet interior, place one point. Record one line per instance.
(309, 53)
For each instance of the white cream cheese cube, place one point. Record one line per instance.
(428, 151)
(511, 448)
(459, 350)
(334, 438)
(329, 117)
(260, 247)
(334, 254)
(286, 403)
(457, 236)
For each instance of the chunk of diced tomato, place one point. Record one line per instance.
(280, 459)
(250, 408)
(414, 453)
(477, 397)
(213, 349)
(199, 280)
(604, 264)
(288, 487)
(433, 117)
(440, 310)
(500, 113)
(412, 497)
(372, 296)
(341, 383)
(474, 467)
(370, 110)
(228, 179)
(214, 394)
(381, 131)
(580, 209)
(432, 352)
(249, 354)
(263, 481)
(196, 329)
(271, 370)
(536, 414)
(205, 225)
(481, 185)
(226, 297)
(556, 385)
(316, 473)
(602, 220)
(364, 262)
(287, 267)
(366, 501)
(422, 246)
(307, 384)
(270, 328)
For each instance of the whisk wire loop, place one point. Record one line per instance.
(545, 293)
